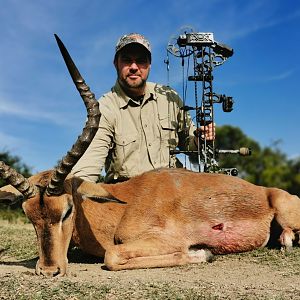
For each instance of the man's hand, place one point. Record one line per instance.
(207, 132)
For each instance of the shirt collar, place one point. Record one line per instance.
(124, 99)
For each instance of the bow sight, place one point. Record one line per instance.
(207, 54)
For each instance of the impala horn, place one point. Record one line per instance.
(55, 186)
(17, 180)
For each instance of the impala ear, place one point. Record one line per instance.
(9, 195)
(101, 199)
(93, 191)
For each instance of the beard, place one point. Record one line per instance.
(132, 86)
(132, 83)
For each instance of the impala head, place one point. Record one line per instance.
(52, 217)
(47, 196)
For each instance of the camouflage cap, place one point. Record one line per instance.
(132, 38)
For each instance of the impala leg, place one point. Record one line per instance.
(286, 238)
(287, 215)
(151, 253)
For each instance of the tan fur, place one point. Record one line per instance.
(171, 217)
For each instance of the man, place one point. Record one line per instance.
(140, 121)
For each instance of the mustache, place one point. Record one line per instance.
(133, 73)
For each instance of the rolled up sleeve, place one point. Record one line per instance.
(92, 162)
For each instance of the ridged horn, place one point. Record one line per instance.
(55, 186)
(17, 180)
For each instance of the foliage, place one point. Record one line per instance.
(229, 137)
(267, 166)
(294, 167)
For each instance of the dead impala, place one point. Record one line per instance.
(162, 218)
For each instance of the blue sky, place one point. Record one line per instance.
(41, 113)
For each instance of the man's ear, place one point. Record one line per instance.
(115, 61)
(115, 64)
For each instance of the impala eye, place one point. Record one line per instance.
(67, 214)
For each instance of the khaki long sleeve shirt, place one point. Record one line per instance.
(136, 136)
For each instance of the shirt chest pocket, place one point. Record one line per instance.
(125, 147)
(168, 130)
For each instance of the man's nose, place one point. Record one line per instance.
(134, 65)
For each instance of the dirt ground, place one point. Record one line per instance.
(228, 277)
(262, 274)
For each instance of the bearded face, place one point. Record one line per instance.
(133, 67)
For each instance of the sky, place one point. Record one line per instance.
(42, 114)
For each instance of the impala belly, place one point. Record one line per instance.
(231, 236)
